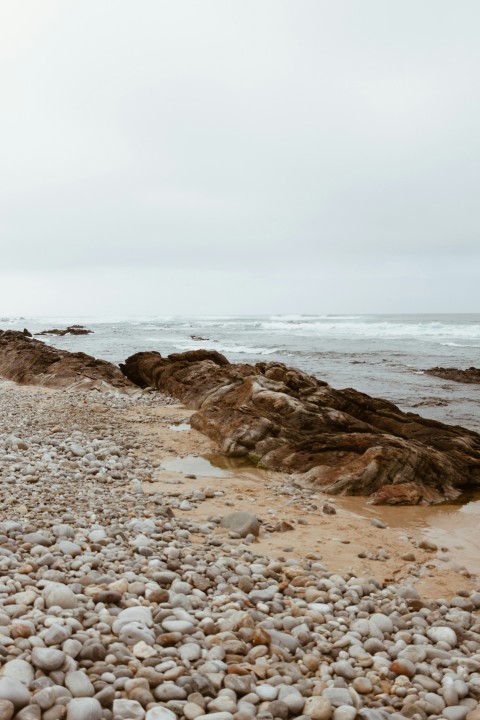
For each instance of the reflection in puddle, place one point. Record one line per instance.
(210, 466)
(192, 465)
(180, 427)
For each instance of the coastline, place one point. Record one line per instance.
(122, 597)
(148, 425)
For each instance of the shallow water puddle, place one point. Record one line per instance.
(180, 427)
(209, 466)
(456, 527)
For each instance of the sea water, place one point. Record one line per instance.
(382, 355)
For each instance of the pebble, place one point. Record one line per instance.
(116, 604)
(14, 691)
(84, 709)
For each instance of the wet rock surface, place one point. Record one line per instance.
(32, 362)
(70, 330)
(343, 441)
(114, 606)
(470, 375)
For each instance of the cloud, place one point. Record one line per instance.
(217, 137)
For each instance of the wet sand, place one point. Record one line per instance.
(345, 541)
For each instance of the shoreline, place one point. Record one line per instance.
(338, 538)
(122, 598)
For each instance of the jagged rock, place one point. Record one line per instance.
(470, 375)
(32, 362)
(70, 330)
(343, 441)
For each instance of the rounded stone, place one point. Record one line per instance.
(128, 710)
(14, 691)
(20, 670)
(442, 634)
(84, 709)
(345, 712)
(7, 709)
(61, 595)
(79, 684)
(160, 713)
(318, 708)
(48, 659)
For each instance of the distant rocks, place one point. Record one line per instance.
(70, 330)
(343, 441)
(470, 375)
(32, 362)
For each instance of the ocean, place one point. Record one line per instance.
(382, 355)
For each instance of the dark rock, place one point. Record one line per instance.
(32, 362)
(343, 441)
(70, 330)
(470, 375)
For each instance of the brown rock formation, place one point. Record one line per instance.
(70, 330)
(470, 375)
(32, 362)
(343, 441)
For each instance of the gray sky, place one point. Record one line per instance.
(239, 156)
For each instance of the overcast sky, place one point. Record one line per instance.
(239, 156)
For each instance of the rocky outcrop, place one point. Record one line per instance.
(32, 362)
(470, 375)
(70, 330)
(342, 441)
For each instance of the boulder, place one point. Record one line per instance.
(341, 441)
(31, 362)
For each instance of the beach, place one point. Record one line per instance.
(120, 588)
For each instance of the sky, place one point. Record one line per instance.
(239, 156)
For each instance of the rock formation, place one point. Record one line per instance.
(470, 375)
(343, 441)
(32, 362)
(70, 330)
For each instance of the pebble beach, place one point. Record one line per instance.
(128, 591)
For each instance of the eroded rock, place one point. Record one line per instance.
(343, 441)
(31, 362)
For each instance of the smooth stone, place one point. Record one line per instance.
(337, 696)
(48, 659)
(216, 716)
(67, 547)
(30, 712)
(7, 710)
(79, 684)
(181, 626)
(21, 670)
(160, 713)
(345, 712)
(84, 709)
(266, 692)
(192, 711)
(190, 652)
(442, 634)
(61, 595)
(455, 712)
(128, 710)
(242, 522)
(14, 691)
(318, 708)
